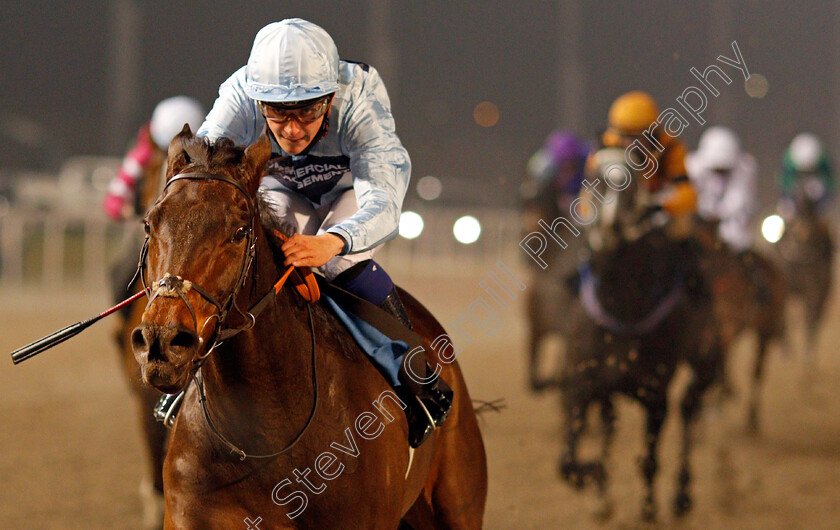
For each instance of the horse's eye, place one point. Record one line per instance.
(146, 227)
(240, 234)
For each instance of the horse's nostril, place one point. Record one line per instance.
(183, 339)
(137, 339)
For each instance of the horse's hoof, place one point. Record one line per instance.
(648, 511)
(682, 504)
(571, 474)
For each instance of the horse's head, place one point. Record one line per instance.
(198, 254)
(624, 215)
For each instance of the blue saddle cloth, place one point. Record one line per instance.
(385, 353)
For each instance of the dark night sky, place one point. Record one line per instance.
(447, 57)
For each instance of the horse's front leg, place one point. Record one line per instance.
(704, 374)
(574, 408)
(656, 409)
(755, 388)
(605, 508)
(535, 333)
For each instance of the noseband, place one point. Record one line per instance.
(173, 286)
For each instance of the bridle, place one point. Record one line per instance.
(173, 286)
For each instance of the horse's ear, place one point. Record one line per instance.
(255, 159)
(177, 157)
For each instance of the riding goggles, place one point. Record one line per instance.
(304, 114)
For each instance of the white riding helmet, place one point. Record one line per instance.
(805, 152)
(719, 148)
(291, 60)
(171, 114)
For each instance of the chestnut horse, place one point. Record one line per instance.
(281, 387)
(748, 294)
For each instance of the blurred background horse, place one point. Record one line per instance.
(749, 294)
(636, 324)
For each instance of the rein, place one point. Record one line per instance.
(172, 286)
(202, 398)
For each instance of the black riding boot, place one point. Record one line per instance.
(426, 409)
(393, 305)
(369, 280)
(427, 403)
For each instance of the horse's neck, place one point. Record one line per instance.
(268, 366)
(635, 281)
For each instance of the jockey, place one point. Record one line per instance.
(149, 152)
(629, 122)
(339, 174)
(554, 174)
(553, 180)
(726, 180)
(807, 179)
(146, 157)
(629, 117)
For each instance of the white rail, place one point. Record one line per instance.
(52, 250)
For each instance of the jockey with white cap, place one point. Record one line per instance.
(339, 174)
(726, 179)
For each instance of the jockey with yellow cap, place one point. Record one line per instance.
(633, 126)
(629, 119)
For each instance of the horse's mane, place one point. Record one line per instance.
(210, 153)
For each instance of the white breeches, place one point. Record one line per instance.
(309, 219)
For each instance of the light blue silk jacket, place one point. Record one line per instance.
(361, 151)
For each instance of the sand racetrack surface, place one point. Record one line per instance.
(70, 453)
